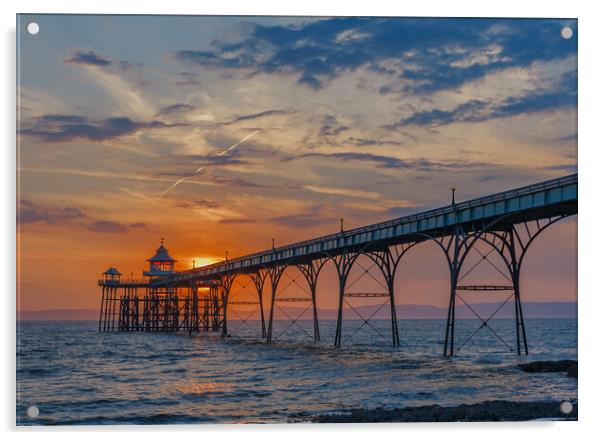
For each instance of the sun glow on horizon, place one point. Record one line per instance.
(204, 261)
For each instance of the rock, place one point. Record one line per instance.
(572, 371)
(490, 411)
(548, 366)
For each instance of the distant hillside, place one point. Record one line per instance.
(550, 309)
(59, 315)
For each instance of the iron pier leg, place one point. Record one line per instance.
(271, 320)
(514, 268)
(224, 316)
(337, 337)
(394, 327)
(102, 303)
(522, 322)
(260, 298)
(454, 269)
(315, 310)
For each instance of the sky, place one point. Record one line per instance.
(125, 129)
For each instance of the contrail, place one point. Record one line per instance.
(198, 170)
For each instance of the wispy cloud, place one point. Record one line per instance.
(254, 116)
(188, 79)
(65, 128)
(114, 227)
(478, 111)
(89, 58)
(222, 153)
(381, 161)
(304, 219)
(30, 212)
(121, 80)
(348, 192)
(175, 110)
(236, 221)
(35, 213)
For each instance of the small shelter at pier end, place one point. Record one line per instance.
(161, 264)
(111, 276)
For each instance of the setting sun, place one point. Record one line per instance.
(204, 261)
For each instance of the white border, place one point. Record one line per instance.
(590, 305)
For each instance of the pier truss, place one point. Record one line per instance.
(494, 231)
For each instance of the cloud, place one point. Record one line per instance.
(489, 177)
(33, 213)
(199, 203)
(253, 116)
(236, 221)
(122, 80)
(175, 110)
(30, 212)
(348, 192)
(480, 110)
(64, 128)
(428, 54)
(402, 211)
(187, 79)
(470, 111)
(304, 220)
(568, 167)
(236, 181)
(331, 126)
(89, 58)
(568, 138)
(368, 142)
(205, 160)
(380, 161)
(114, 227)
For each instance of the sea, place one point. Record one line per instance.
(74, 375)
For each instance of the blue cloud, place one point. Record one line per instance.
(432, 52)
(64, 128)
(563, 96)
(392, 162)
(253, 116)
(90, 58)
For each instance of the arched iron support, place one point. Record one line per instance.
(311, 271)
(387, 261)
(452, 246)
(343, 263)
(513, 257)
(224, 286)
(258, 279)
(457, 249)
(274, 273)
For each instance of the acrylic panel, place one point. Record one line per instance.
(246, 219)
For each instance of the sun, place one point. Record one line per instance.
(204, 261)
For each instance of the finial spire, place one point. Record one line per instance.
(162, 240)
(453, 190)
(342, 225)
(273, 243)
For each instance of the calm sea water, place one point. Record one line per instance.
(75, 375)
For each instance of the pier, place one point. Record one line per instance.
(202, 298)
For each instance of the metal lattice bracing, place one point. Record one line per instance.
(302, 284)
(245, 304)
